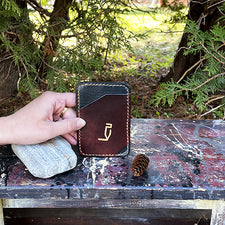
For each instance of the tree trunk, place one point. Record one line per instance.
(9, 71)
(58, 19)
(205, 14)
(9, 76)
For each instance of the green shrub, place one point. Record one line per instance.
(209, 76)
(88, 37)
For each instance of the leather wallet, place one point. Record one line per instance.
(105, 106)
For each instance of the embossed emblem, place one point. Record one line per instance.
(107, 132)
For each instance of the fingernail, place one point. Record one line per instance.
(80, 123)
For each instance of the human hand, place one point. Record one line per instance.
(40, 120)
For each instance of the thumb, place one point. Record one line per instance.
(67, 126)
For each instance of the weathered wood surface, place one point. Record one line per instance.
(105, 217)
(187, 161)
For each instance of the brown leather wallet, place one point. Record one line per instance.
(106, 109)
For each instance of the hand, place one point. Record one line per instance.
(40, 120)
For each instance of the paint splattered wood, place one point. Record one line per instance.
(187, 161)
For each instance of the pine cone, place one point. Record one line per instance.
(139, 165)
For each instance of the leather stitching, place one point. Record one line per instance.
(127, 122)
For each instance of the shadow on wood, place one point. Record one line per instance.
(106, 216)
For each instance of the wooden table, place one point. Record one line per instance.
(186, 171)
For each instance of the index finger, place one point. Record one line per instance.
(68, 98)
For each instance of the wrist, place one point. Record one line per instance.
(6, 128)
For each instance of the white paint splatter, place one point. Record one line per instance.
(95, 165)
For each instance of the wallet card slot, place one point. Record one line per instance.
(89, 103)
(88, 93)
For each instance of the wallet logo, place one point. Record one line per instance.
(107, 132)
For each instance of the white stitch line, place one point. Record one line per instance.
(128, 113)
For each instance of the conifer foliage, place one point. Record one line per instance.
(57, 45)
(204, 80)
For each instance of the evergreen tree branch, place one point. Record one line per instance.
(215, 98)
(211, 53)
(38, 8)
(207, 81)
(197, 63)
(9, 57)
(216, 50)
(211, 110)
(53, 68)
(25, 67)
(221, 46)
(216, 4)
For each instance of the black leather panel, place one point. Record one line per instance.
(89, 92)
